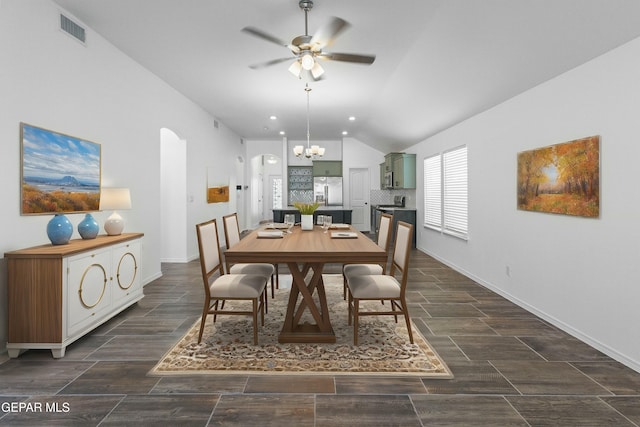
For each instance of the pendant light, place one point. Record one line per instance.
(311, 150)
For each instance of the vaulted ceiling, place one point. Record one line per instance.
(438, 62)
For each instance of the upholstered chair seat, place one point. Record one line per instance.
(220, 287)
(353, 270)
(384, 239)
(259, 269)
(382, 287)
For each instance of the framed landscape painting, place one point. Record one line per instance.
(562, 178)
(59, 174)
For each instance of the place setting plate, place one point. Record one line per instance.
(277, 226)
(344, 235)
(340, 226)
(270, 234)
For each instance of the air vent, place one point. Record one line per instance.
(73, 29)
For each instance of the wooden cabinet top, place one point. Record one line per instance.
(73, 247)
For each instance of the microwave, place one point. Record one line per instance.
(388, 180)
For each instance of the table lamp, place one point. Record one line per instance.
(114, 199)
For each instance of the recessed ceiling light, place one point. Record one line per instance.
(273, 117)
(282, 132)
(352, 118)
(344, 132)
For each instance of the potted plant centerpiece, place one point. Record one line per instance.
(306, 213)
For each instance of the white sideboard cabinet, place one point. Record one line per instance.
(56, 294)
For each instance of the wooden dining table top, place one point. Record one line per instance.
(306, 246)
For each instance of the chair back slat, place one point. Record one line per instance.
(209, 247)
(384, 231)
(231, 229)
(401, 251)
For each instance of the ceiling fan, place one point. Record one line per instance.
(307, 49)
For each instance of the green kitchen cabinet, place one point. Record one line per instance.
(404, 171)
(327, 168)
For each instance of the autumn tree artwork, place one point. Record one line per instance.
(562, 178)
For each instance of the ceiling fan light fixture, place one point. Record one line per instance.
(317, 70)
(307, 61)
(295, 68)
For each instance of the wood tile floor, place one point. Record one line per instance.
(510, 367)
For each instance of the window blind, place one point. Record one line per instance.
(455, 191)
(446, 192)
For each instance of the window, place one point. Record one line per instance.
(276, 192)
(445, 192)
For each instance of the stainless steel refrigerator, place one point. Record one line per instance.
(327, 190)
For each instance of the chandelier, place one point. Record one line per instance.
(311, 150)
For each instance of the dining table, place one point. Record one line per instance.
(306, 252)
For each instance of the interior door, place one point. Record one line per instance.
(359, 187)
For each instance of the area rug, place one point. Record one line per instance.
(227, 346)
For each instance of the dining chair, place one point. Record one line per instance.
(231, 237)
(221, 287)
(384, 239)
(384, 286)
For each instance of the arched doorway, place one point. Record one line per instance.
(267, 187)
(173, 193)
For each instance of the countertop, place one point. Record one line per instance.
(393, 208)
(320, 208)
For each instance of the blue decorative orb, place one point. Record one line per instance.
(88, 227)
(59, 230)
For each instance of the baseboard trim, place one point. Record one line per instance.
(150, 279)
(576, 333)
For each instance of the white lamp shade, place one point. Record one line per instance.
(298, 149)
(295, 68)
(115, 199)
(317, 70)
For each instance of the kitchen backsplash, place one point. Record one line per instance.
(385, 197)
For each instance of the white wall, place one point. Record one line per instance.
(97, 93)
(581, 274)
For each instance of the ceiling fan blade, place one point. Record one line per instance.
(269, 63)
(348, 57)
(264, 36)
(326, 34)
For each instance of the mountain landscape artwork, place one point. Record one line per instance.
(562, 178)
(60, 173)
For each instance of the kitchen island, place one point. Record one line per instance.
(339, 215)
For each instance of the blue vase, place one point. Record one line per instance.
(88, 227)
(59, 230)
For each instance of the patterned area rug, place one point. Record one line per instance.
(227, 346)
